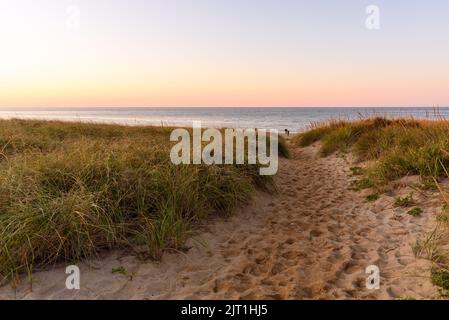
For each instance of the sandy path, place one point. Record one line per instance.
(313, 240)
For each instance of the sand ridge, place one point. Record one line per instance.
(312, 240)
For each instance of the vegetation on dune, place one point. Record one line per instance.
(372, 197)
(406, 201)
(392, 149)
(69, 190)
(441, 278)
(415, 212)
(282, 148)
(399, 147)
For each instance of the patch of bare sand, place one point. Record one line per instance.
(313, 240)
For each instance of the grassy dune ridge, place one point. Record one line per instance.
(394, 149)
(70, 190)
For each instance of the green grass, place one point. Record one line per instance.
(406, 201)
(120, 270)
(415, 212)
(372, 197)
(311, 136)
(444, 215)
(440, 278)
(364, 183)
(71, 190)
(282, 148)
(356, 171)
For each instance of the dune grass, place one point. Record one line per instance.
(396, 147)
(71, 190)
(282, 148)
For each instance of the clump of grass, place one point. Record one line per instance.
(415, 212)
(339, 139)
(356, 171)
(71, 190)
(406, 201)
(428, 184)
(372, 197)
(440, 278)
(283, 148)
(397, 147)
(120, 270)
(364, 183)
(444, 215)
(311, 136)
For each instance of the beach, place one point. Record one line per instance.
(313, 239)
(224, 158)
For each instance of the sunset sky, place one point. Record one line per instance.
(222, 53)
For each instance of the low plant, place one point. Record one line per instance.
(357, 171)
(440, 278)
(372, 197)
(415, 212)
(406, 201)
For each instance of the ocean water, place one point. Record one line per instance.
(294, 119)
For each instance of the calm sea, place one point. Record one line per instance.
(294, 119)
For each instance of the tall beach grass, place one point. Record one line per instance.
(396, 147)
(70, 190)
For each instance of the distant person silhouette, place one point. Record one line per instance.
(287, 132)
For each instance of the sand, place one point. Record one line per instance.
(312, 240)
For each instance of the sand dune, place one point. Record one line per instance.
(312, 240)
